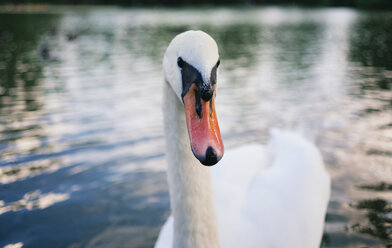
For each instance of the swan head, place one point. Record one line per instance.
(190, 66)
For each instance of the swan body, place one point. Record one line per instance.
(257, 196)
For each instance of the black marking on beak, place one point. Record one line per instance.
(211, 110)
(198, 104)
(190, 75)
(213, 73)
(204, 90)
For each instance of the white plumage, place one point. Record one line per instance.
(265, 196)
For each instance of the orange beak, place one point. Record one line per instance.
(203, 128)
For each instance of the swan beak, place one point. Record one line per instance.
(203, 128)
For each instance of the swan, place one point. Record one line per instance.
(257, 196)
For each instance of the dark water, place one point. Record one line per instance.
(81, 140)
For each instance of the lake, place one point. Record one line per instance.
(81, 135)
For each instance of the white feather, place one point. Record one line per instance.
(265, 196)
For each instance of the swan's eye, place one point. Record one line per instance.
(180, 62)
(218, 63)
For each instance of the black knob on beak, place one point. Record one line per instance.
(206, 91)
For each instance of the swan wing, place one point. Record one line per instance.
(281, 202)
(231, 179)
(270, 196)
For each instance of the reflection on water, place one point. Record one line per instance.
(378, 221)
(377, 187)
(32, 200)
(81, 140)
(372, 40)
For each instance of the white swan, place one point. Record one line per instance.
(272, 196)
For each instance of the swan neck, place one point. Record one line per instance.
(190, 187)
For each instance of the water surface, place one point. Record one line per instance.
(81, 135)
